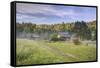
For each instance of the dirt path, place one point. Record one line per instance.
(58, 51)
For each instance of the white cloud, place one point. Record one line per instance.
(44, 9)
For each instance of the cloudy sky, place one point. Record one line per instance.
(50, 14)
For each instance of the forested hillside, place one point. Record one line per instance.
(31, 27)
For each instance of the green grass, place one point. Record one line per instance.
(44, 52)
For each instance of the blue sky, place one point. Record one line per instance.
(51, 14)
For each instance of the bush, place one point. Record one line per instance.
(54, 37)
(76, 41)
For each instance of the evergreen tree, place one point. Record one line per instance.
(82, 30)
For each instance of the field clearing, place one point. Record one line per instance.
(44, 52)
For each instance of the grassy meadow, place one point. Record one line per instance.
(45, 52)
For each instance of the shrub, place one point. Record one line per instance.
(54, 37)
(76, 41)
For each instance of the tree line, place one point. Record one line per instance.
(84, 30)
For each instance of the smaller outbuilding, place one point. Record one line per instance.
(64, 36)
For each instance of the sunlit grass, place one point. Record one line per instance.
(44, 52)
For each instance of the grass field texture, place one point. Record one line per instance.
(44, 52)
